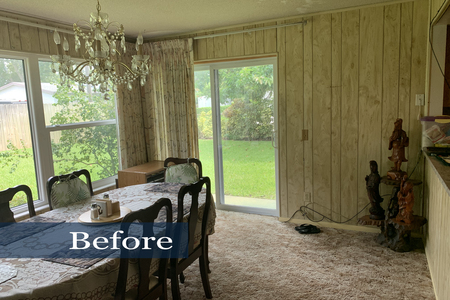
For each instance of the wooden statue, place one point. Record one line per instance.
(405, 201)
(373, 191)
(397, 143)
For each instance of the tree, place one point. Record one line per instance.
(251, 84)
(96, 146)
(250, 89)
(11, 70)
(202, 84)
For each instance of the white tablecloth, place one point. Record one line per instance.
(43, 280)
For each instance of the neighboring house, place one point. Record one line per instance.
(203, 102)
(14, 92)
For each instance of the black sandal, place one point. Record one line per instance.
(307, 229)
(302, 227)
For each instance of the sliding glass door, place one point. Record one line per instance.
(237, 126)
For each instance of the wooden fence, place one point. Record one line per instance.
(15, 125)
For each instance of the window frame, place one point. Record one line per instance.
(40, 133)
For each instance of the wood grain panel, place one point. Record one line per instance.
(270, 38)
(308, 107)
(437, 241)
(336, 92)
(210, 47)
(259, 40)
(250, 41)
(322, 113)
(282, 126)
(391, 61)
(418, 69)
(235, 43)
(14, 36)
(404, 95)
(43, 41)
(29, 38)
(220, 45)
(349, 113)
(4, 36)
(294, 113)
(200, 49)
(370, 95)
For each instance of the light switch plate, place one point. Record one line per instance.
(420, 99)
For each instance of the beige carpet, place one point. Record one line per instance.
(258, 257)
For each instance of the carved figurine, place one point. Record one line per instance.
(405, 201)
(397, 143)
(373, 191)
(393, 203)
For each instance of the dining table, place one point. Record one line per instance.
(87, 278)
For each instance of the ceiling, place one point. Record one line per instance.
(171, 17)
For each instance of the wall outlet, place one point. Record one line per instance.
(304, 134)
(307, 198)
(420, 99)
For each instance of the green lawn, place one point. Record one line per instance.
(25, 174)
(249, 170)
(249, 167)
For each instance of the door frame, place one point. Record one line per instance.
(213, 67)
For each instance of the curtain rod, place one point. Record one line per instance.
(247, 30)
(51, 28)
(34, 25)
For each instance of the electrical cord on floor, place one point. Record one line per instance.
(304, 213)
(419, 156)
(303, 208)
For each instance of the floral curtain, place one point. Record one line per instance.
(159, 120)
(130, 120)
(170, 117)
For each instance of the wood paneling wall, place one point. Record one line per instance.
(18, 37)
(437, 239)
(345, 77)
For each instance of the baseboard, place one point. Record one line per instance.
(334, 225)
(364, 228)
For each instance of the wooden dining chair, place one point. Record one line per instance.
(6, 215)
(182, 170)
(197, 249)
(63, 190)
(152, 286)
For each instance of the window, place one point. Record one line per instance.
(17, 162)
(69, 129)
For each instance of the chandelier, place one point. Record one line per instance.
(101, 56)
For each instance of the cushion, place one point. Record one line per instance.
(182, 173)
(68, 191)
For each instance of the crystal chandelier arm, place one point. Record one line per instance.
(79, 67)
(113, 24)
(119, 63)
(83, 22)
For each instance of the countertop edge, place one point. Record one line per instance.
(442, 172)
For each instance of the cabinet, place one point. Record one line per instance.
(149, 172)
